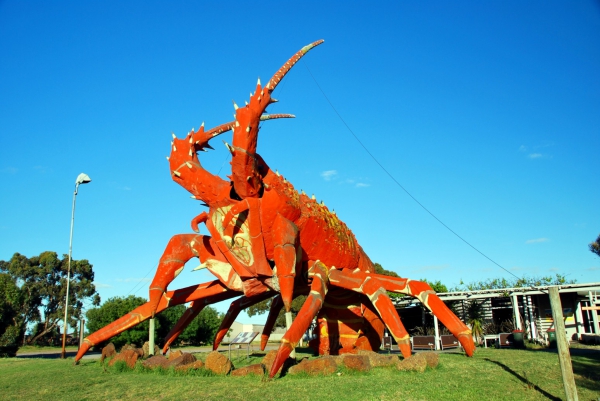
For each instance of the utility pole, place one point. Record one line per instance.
(564, 357)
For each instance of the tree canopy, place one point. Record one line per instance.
(11, 327)
(595, 246)
(499, 283)
(42, 284)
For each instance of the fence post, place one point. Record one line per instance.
(564, 357)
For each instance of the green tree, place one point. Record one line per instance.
(595, 246)
(201, 330)
(113, 309)
(437, 286)
(500, 283)
(11, 325)
(380, 270)
(42, 281)
(208, 322)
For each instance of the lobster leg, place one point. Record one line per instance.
(312, 305)
(423, 292)
(285, 255)
(372, 338)
(276, 306)
(180, 249)
(234, 309)
(372, 287)
(188, 316)
(211, 292)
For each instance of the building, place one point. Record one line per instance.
(526, 309)
(237, 328)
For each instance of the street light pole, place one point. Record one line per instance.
(81, 179)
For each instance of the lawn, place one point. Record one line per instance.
(490, 375)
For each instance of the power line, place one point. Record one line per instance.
(396, 181)
(139, 283)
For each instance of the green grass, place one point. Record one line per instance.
(490, 375)
(44, 348)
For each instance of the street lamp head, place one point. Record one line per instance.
(82, 179)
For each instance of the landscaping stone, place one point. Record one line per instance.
(269, 359)
(416, 363)
(338, 359)
(218, 363)
(108, 351)
(379, 360)
(175, 354)
(184, 359)
(156, 361)
(130, 357)
(256, 369)
(321, 366)
(433, 359)
(192, 366)
(146, 349)
(357, 362)
(133, 347)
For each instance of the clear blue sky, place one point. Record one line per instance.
(488, 114)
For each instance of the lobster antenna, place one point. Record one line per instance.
(278, 76)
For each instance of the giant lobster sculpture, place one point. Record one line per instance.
(268, 240)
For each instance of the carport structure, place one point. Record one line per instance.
(527, 308)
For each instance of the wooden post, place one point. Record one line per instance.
(564, 357)
(516, 313)
(151, 339)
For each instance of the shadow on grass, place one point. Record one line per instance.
(587, 369)
(524, 380)
(585, 362)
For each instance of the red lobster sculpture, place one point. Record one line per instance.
(269, 240)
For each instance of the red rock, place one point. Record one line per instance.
(184, 359)
(357, 362)
(175, 354)
(146, 349)
(218, 363)
(416, 363)
(156, 361)
(321, 366)
(192, 366)
(378, 360)
(129, 356)
(256, 369)
(339, 359)
(108, 352)
(432, 358)
(269, 359)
